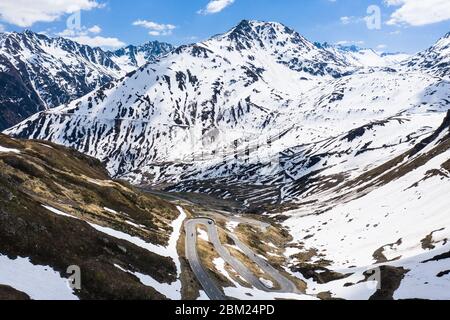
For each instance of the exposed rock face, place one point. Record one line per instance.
(41, 72)
(38, 72)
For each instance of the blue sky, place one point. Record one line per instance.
(405, 25)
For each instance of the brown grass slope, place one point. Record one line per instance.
(47, 174)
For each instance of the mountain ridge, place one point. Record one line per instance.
(435, 60)
(132, 57)
(50, 71)
(247, 89)
(40, 72)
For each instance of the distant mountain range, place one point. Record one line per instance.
(132, 57)
(364, 57)
(38, 72)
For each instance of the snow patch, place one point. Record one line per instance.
(38, 282)
(8, 150)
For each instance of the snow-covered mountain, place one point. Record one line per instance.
(351, 157)
(364, 57)
(435, 60)
(258, 114)
(241, 80)
(383, 234)
(132, 57)
(38, 72)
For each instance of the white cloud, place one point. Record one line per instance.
(95, 29)
(155, 29)
(24, 13)
(98, 41)
(2, 28)
(215, 6)
(86, 36)
(349, 43)
(70, 33)
(351, 19)
(419, 12)
(346, 20)
(82, 31)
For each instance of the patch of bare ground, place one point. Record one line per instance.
(270, 245)
(379, 256)
(390, 280)
(8, 293)
(190, 290)
(443, 256)
(446, 165)
(318, 273)
(443, 273)
(208, 255)
(427, 242)
(326, 296)
(312, 265)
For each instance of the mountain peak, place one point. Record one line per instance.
(255, 33)
(259, 23)
(445, 40)
(343, 47)
(258, 27)
(31, 34)
(28, 31)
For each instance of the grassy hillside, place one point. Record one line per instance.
(35, 174)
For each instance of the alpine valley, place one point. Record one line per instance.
(301, 170)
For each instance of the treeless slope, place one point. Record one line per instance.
(35, 174)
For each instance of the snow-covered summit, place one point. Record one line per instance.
(132, 57)
(435, 60)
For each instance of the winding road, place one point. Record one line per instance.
(209, 286)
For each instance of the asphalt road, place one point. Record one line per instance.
(209, 286)
(285, 284)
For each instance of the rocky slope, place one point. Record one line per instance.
(59, 208)
(41, 72)
(435, 60)
(38, 72)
